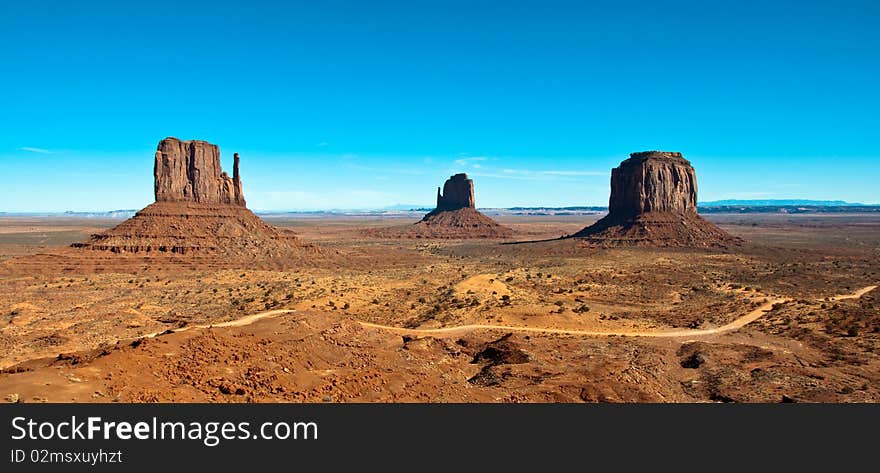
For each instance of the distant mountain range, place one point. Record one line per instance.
(715, 206)
(780, 202)
(69, 213)
(406, 207)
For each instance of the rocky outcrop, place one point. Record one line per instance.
(455, 217)
(463, 223)
(458, 193)
(193, 228)
(654, 203)
(189, 171)
(199, 209)
(653, 181)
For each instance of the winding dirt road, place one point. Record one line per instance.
(861, 292)
(736, 324)
(246, 320)
(462, 329)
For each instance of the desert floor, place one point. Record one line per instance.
(792, 315)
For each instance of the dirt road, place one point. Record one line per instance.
(462, 329)
(861, 292)
(246, 320)
(736, 324)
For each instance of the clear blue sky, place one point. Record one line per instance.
(363, 104)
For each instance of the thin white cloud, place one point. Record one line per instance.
(574, 173)
(31, 149)
(541, 175)
(322, 144)
(470, 161)
(479, 166)
(505, 176)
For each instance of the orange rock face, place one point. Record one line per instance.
(653, 181)
(199, 209)
(189, 171)
(654, 203)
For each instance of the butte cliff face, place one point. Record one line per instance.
(189, 171)
(458, 193)
(199, 209)
(653, 181)
(455, 217)
(654, 203)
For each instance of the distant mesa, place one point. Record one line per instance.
(654, 203)
(455, 217)
(199, 209)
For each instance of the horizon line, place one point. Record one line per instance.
(418, 208)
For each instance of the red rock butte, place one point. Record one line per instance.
(199, 209)
(189, 171)
(455, 217)
(458, 193)
(654, 203)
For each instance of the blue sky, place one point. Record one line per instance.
(367, 104)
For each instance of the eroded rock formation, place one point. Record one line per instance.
(654, 203)
(455, 217)
(653, 181)
(458, 193)
(199, 209)
(189, 171)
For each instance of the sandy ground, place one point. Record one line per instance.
(471, 321)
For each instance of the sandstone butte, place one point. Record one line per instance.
(198, 209)
(455, 217)
(654, 203)
(458, 193)
(189, 171)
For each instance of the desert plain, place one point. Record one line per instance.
(789, 315)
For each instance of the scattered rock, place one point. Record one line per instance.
(487, 377)
(502, 351)
(12, 398)
(229, 388)
(694, 361)
(71, 358)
